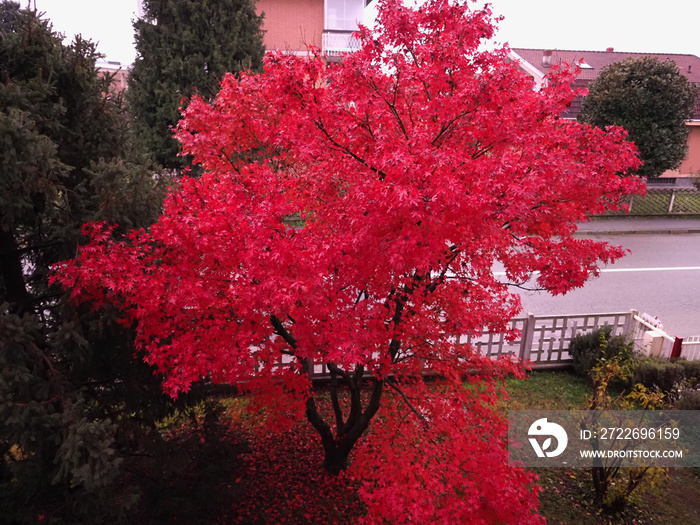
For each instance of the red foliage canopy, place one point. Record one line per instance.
(417, 164)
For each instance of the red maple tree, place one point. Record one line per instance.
(416, 165)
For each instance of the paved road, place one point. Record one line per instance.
(661, 276)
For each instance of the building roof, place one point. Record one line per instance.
(593, 62)
(689, 65)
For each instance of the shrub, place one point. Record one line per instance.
(689, 400)
(691, 370)
(662, 376)
(614, 486)
(587, 349)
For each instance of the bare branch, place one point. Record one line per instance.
(337, 410)
(521, 286)
(282, 331)
(344, 149)
(407, 401)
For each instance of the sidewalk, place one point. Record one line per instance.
(639, 225)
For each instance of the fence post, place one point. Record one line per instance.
(528, 335)
(677, 347)
(673, 198)
(629, 323)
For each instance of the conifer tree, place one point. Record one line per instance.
(185, 47)
(67, 375)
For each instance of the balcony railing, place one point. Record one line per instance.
(338, 42)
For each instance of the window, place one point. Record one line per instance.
(343, 15)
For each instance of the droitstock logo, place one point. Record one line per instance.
(541, 428)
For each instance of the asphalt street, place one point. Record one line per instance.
(660, 276)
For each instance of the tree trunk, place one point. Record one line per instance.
(12, 275)
(337, 448)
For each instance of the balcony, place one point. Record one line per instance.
(337, 42)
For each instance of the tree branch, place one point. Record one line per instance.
(322, 128)
(441, 278)
(283, 332)
(373, 405)
(355, 396)
(337, 410)
(407, 401)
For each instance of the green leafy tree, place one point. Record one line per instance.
(651, 100)
(185, 47)
(67, 376)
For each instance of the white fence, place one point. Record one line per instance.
(336, 43)
(544, 340)
(691, 348)
(650, 339)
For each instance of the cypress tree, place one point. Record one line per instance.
(185, 47)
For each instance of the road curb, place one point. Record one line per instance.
(640, 232)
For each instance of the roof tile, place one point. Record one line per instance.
(688, 65)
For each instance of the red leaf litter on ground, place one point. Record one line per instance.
(279, 480)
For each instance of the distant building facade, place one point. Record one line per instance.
(538, 62)
(120, 74)
(291, 26)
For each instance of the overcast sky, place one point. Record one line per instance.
(670, 26)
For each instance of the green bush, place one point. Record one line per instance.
(689, 400)
(587, 349)
(691, 370)
(669, 378)
(662, 376)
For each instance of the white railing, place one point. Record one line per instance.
(544, 341)
(650, 339)
(690, 348)
(338, 42)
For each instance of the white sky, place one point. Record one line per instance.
(671, 26)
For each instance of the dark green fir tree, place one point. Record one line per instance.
(185, 47)
(70, 386)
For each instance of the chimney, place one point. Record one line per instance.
(610, 50)
(690, 66)
(547, 58)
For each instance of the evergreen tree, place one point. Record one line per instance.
(68, 376)
(651, 100)
(185, 47)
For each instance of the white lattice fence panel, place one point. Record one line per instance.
(690, 348)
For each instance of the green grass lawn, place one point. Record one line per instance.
(567, 493)
(548, 390)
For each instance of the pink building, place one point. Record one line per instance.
(293, 25)
(120, 74)
(537, 62)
